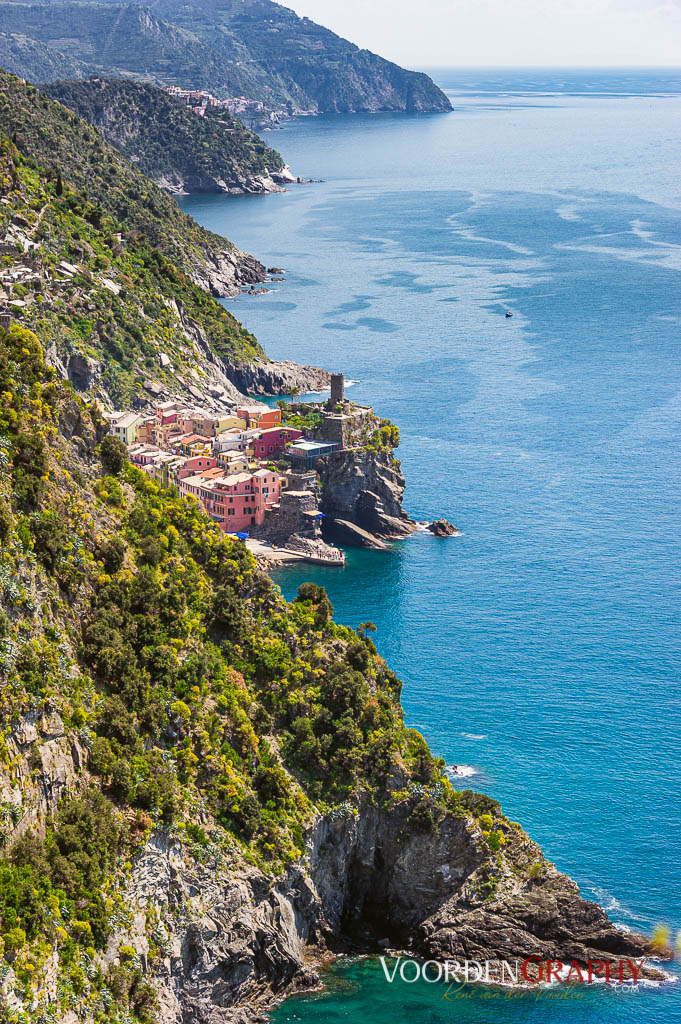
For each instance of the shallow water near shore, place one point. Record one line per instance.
(542, 647)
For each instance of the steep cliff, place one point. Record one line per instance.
(365, 487)
(235, 940)
(202, 783)
(167, 141)
(257, 49)
(268, 377)
(67, 148)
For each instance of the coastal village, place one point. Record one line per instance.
(255, 475)
(251, 112)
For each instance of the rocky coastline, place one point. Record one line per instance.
(224, 272)
(267, 377)
(241, 184)
(237, 942)
(221, 916)
(364, 488)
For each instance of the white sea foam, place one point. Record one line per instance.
(326, 391)
(567, 212)
(461, 771)
(611, 904)
(474, 735)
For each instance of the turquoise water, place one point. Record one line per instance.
(543, 647)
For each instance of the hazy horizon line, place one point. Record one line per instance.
(548, 67)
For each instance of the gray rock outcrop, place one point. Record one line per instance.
(83, 371)
(45, 762)
(365, 487)
(234, 941)
(443, 528)
(268, 377)
(355, 535)
(223, 273)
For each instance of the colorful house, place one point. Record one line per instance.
(260, 416)
(235, 440)
(166, 412)
(194, 465)
(233, 462)
(198, 422)
(124, 426)
(235, 501)
(145, 431)
(191, 444)
(267, 486)
(273, 441)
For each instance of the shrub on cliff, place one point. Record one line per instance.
(114, 455)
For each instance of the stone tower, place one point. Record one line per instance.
(337, 389)
(6, 323)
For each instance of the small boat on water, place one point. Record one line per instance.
(508, 313)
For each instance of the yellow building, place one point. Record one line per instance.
(124, 426)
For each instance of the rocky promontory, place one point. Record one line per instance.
(237, 941)
(365, 486)
(263, 51)
(181, 151)
(203, 786)
(269, 377)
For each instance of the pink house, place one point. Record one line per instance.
(143, 454)
(237, 501)
(166, 412)
(273, 441)
(197, 464)
(267, 486)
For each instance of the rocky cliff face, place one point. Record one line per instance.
(236, 941)
(365, 487)
(228, 941)
(204, 787)
(45, 760)
(268, 377)
(104, 186)
(224, 271)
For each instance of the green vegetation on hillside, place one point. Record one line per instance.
(98, 274)
(258, 49)
(205, 704)
(166, 140)
(62, 143)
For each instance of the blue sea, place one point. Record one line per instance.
(542, 648)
